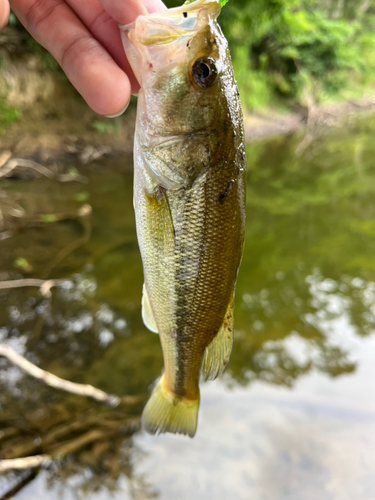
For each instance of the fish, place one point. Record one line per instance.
(189, 200)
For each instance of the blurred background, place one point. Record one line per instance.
(293, 417)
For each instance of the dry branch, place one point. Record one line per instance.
(24, 463)
(57, 382)
(44, 285)
(13, 163)
(78, 443)
(10, 164)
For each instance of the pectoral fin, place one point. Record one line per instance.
(159, 243)
(147, 314)
(160, 223)
(219, 350)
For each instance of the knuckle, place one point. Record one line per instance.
(39, 11)
(99, 20)
(82, 48)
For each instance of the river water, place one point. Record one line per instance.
(292, 418)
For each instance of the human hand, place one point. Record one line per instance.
(83, 36)
(4, 13)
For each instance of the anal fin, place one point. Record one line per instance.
(147, 314)
(218, 351)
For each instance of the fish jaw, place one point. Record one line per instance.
(164, 32)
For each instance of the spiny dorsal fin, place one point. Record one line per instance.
(218, 351)
(147, 314)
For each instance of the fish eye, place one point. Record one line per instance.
(204, 72)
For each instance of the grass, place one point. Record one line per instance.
(8, 115)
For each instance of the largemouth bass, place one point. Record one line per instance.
(189, 199)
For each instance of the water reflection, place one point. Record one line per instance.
(304, 306)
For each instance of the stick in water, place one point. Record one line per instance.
(24, 463)
(57, 382)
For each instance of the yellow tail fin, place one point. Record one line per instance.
(165, 412)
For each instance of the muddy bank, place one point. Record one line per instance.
(54, 121)
(262, 125)
(65, 127)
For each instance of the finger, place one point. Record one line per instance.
(127, 12)
(155, 6)
(124, 12)
(105, 29)
(4, 13)
(89, 67)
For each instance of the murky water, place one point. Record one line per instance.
(294, 416)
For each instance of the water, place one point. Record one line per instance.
(294, 415)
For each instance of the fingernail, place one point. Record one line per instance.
(155, 6)
(118, 114)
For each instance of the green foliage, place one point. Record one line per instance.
(222, 2)
(8, 115)
(284, 48)
(110, 126)
(82, 196)
(48, 218)
(295, 46)
(21, 263)
(254, 90)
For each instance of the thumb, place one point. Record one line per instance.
(4, 13)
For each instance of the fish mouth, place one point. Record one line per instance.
(165, 27)
(152, 40)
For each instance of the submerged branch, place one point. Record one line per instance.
(22, 480)
(24, 463)
(80, 442)
(57, 382)
(13, 163)
(8, 164)
(44, 285)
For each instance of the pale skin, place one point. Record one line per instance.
(84, 38)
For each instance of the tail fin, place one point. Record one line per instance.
(165, 412)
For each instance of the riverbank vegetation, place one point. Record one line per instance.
(287, 54)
